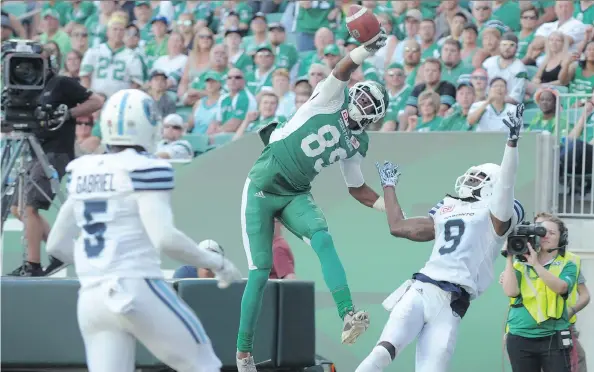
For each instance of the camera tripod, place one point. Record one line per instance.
(18, 153)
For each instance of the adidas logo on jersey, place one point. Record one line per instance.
(259, 194)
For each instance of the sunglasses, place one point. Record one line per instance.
(172, 126)
(482, 8)
(482, 78)
(397, 74)
(264, 54)
(80, 34)
(414, 50)
(234, 77)
(187, 22)
(530, 17)
(205, 36)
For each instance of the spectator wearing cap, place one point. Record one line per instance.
(59, 7)
(237, 55)
(428, 119)
(185, 26)
(201, 13)
(259, 32)
(163, 9)
(281, 85)
(573, 29)
(453, 67)
(508, 67)
(469, 43)
(456, 118)
(219, 62)
(488, 115)
(172, 146)
(431, 81)
(412, 24)
(158, 90)
(174, 62)
(323, 38)
(231, 22)
(143, 13)
(205, 109)
(286, 54)
(234, 105)
(79, 39)
(192, 272)
(446, 22)
(246, 15)
(545, 119)
(263, 67)
(507, 12)
(111, 67)
(398, 91)
(311, 17)
(96, 24)
(198, 60)
(157, 46)
(332, 55)
(53, 32)
(528, 23)
(429, 47)
(482, 12)
(480, 81)
(255, 120)
(77, 12)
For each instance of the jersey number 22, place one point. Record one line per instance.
(316, 144)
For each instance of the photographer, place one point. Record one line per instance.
(539, 281)
(68, 100)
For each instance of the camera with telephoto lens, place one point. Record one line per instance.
(24, 77)
(517, 241)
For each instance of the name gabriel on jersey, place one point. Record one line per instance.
(91, 183)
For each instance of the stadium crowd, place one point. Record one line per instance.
(222, 69)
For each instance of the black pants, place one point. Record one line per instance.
(580, 162)
(537, 354)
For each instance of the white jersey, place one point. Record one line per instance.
(177, 150)
(466, 244)
(516, 76)
(111, 71)
(113, 241)
(492, 120)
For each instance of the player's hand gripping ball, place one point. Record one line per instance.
(362, 24)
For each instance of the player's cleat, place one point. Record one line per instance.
(54, 266)
(27, 269)
(355, 323)
(246, 364)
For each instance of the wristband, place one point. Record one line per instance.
(359, 54)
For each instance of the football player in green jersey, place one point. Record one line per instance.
(328, 128)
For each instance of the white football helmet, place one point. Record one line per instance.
(130, 118)
(478, 181)
(368, 103)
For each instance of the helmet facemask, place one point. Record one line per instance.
(367, 104)
(476, 183)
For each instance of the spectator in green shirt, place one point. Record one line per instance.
(157, 46)
(398, 91)
(255, 120)
(311, 16)
(53, 32)
(529, 24)
(429, 103)
(452, 66)
(456, 117)
(469, 43)
(142, 14)
(429, 47)
(286, 54)
(263, 67)
(507, 12)
(546, 119)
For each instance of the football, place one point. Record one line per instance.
(362, 24)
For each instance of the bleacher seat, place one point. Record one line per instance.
(184, 112)
(274, 17)
(199, 143)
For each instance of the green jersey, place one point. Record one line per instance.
(397, 103)
(286, 56)
(585, 16)
(452, 74)
(315, 137)
(429, 126)
(523, 43)
(254, 126)
(456, 121)
(509, 14)
(580, 84)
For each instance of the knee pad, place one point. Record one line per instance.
(259, 277)
(321, 239)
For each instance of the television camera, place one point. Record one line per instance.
(524, 233)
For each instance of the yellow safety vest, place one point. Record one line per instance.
(540, 301)
(573, 296)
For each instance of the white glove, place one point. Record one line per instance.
(379, 43)
(388, 173)
(227, 274)
(515, 122)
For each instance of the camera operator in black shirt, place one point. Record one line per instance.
(69, 100)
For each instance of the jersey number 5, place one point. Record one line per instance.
(95, 243)
(316, 144)
(454, 229)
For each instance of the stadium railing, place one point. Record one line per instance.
(572, 181)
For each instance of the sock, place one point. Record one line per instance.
(251, 303)
(333, 271)
(35, 265)
(376, 361)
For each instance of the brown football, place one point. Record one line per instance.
(362, 24)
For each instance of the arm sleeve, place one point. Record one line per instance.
(152, 179)
(180, 150)
(156, 215)
(136, 70)
(502, 203)
(330, 88)
(60, 242)
(241, 108)
(351, 171)
(74, 91)
(569, 275)
(434, 210)
(219, 110)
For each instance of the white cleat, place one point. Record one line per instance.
(246, 364)
(355, 323)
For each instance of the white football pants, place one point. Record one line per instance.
(423, 311)
(117, 312)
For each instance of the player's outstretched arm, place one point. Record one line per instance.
(157, 218)
(353, 177)
(418, 229)
(503, 204)
(349, 63)
(60, 242)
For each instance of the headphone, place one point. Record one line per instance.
(563, 241)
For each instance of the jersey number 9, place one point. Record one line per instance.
(454, 229)
(316, 144)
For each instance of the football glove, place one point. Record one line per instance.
(379, 43)
(388, 173)
(515, 122)
(227, 274)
